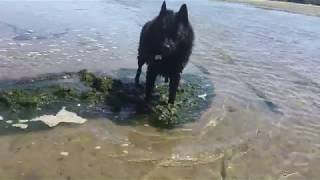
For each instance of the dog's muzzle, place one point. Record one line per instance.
(158, 57)
(168, 46)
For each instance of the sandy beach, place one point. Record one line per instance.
(307, 9)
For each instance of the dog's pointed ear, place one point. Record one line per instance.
(163, 8)
(183, 14)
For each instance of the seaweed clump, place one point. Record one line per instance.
(100, 84)
(17, 99)
(100, 92)
(167, 114)
(186, 106)
(23, 103)
(103, 89)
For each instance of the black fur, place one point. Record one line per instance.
(165, 46)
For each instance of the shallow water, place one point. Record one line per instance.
(262, 124)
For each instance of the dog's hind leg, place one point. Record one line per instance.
(151, 78)
(140, 64)
(173, 87)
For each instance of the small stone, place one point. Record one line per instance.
(64, 153)
(78, 105)
(9, 122)
(125, 152)
(189, 158)
(173, 156)
(125, 145)
(98, 147)
(1, 118)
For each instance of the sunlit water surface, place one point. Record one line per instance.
(263, 122)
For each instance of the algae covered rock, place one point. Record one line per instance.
(104, 95)
(166, 114)
(45, 95)
(16, 99)
(87, 77)
(187, 106)
(65, 92)
(103, 84)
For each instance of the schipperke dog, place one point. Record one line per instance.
(165, 45)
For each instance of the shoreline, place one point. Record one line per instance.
(296, 8)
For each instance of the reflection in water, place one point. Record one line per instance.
(262, 124)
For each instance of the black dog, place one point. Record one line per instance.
(165, 45)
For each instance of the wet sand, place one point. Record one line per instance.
(103, 150)
(307, 9)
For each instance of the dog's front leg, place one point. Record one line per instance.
(151, 78)
(173, 87)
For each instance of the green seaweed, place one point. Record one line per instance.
(16, 99)
(169, 115)
(15, 102)
(86, 77)
(103, 84)
(104, 91)
(102, 87)
(93, 97)
(62, 92)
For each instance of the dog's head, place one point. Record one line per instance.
(170, 29)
